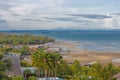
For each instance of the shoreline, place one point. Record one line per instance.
(86, 56)
(85, 45)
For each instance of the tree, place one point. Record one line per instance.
(38, 60)
(27, 73)
(3, 51)
(24, 63)
(7, 64)
(1, 56)
(103, 72)
(25, 39)
(25, 50)
(56, 58)
(2, 66)
(46, 62)
(64, 70)
(76, 70)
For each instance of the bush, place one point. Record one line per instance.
(32, 78)
(17, 78)
(1, 56)
(24, 64)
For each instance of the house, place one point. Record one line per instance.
(26, 58)
(53, 49)
(35, 47)
(117, 76)
(18, 46)
(8, 46)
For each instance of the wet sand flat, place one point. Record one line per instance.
(86, 56)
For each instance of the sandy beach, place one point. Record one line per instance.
(86, 56)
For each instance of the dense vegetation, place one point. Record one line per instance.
(23, 50)
(24, 63)
(52, 65)
(5, 64)
(16, 39)
(8, 43)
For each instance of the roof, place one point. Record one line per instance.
(117, 76)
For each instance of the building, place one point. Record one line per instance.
(117, 76)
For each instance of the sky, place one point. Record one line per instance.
(59, 14)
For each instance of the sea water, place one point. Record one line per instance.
(91, 40)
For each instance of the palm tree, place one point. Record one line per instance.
(103, 72)
(76, 70)
(47, 61)
(109, 71)
(38, 61)
(64, 70)
(56, 58)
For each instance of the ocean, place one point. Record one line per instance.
(107, 41)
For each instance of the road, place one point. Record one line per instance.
(16, 68)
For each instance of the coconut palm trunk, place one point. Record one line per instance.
(55, 70)
(49, 73)
(52, 74)
(45, 74)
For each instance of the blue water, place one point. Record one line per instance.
(91, 40)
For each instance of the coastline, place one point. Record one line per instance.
(86, 56)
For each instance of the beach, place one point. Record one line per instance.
(84, 56)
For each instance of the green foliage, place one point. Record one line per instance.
(54, 64)
(24, 64)
(25, 50)
(76, 70)
(64, 70)
(23, 39)
(3, 51)
(32, 78)
(3, 76)
(27, 72)
(17, 78)
(103, 72)
(46, 62)
(1, 56)
(4, 65)
(7, 64)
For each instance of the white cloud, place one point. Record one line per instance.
(14, 11)
(108, 23)
(4, 13)
(24, 9)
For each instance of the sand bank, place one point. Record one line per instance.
(86, 56)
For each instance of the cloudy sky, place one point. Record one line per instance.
(59, 14)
